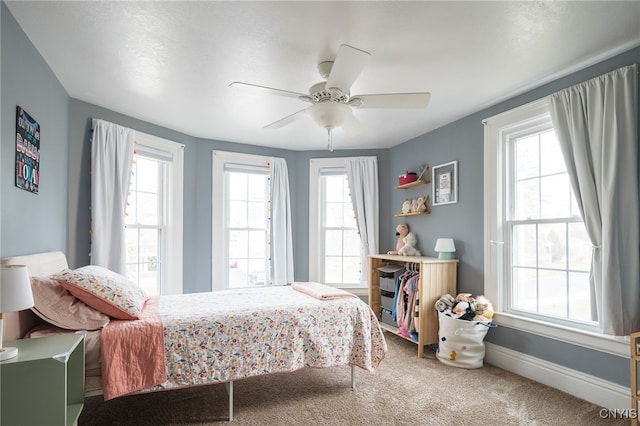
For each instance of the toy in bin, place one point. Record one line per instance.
(464, 321)
(407, 177)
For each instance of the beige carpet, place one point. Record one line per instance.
(405, 390)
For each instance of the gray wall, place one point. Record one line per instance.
(31, 222)
(197, 191)
(58, 217)
(463, 140)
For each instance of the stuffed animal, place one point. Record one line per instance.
(409, 248)
(406, 207)
(464, 297)
(406, 244)
(401, 231)
(421, 204)
(414, 206)
(445, 302)
(484, 309)
(464, 307)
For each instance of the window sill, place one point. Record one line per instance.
(614, 345)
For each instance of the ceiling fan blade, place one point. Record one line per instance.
(287, 120)
(351, 124)
(271, 90)
(392, 100)
(347, 66)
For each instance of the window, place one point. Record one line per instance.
(154, 216)
(550, 249)
(537, 253)
(335, 246)
(241, 241)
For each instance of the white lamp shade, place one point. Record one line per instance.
(445, 245)
(329, 114)
(15, 288)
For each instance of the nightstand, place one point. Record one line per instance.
(44, 384)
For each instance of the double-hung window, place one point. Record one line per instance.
(334, 242)
(153, 224)
(241, 214)
(537, 252)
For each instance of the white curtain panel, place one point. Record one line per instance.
(596, 125)
(112, 149)
(362, 173)
(281, 235)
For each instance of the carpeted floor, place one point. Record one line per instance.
(405, 390)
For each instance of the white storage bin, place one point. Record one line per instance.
(461, 342)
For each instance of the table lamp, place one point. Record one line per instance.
(15, 295)
(445, 248)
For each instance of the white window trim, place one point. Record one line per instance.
(494, 238)
(315, 250)
(220, 243)
(172, 264)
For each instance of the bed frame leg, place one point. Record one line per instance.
(229, 386)
(353, 377)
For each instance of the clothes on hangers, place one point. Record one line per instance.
(406, 302)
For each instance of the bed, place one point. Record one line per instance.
(206, 338)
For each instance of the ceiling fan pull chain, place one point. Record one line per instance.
(330, 146)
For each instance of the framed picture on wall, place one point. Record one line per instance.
(445, 183)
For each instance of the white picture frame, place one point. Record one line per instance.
(444, 181)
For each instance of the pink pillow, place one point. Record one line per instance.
(104, 290)
(57, 306)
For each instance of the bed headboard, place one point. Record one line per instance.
(16, 324)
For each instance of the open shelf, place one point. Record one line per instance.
(437, 277)
(414, 183)
(411, 214)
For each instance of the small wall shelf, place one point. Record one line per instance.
(411, 214)
(414, 183)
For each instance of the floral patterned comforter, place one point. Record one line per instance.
(229, 335)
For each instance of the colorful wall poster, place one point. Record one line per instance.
(27, 151)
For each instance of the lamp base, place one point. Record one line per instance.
(8, 353)
(445, 255)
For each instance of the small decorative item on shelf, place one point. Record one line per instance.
(407, 177)
(423, 172)
(419, 205)
(416, 206)
(406, 207)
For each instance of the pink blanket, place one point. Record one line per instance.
(133, 353)
(321, 291)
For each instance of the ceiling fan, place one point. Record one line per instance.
(331, 100)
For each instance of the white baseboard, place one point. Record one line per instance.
(590, 388)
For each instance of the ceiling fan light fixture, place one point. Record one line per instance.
(324, 68)
(329, 114)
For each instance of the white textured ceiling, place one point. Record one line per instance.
(170, 63)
